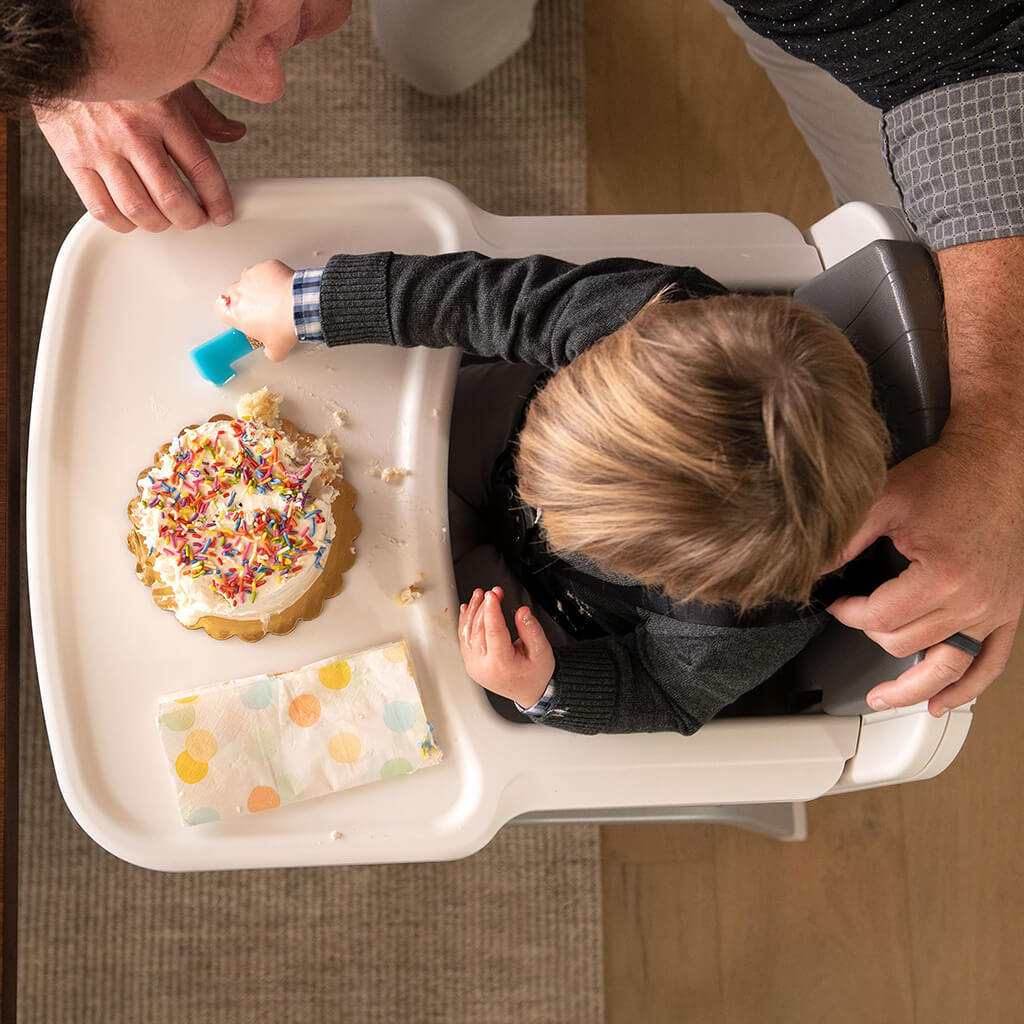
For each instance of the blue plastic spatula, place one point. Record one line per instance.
(214, 358)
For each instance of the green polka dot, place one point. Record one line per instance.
(201, 816)
(286, 790)
(396, 766)
(180, 719)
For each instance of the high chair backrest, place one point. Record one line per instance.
(887, 298)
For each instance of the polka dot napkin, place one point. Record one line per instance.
(254, 744)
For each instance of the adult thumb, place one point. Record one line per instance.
(209, 120)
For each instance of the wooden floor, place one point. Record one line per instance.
(906, 904)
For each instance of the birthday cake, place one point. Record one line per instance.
(244, 525)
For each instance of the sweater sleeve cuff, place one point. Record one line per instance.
(354, 300)
(956, 154)
(586, 688)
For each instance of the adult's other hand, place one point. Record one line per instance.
(132, 162)
(956, 510)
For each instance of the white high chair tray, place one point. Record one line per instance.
(114, 382)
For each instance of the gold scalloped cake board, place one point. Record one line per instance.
(328, 584)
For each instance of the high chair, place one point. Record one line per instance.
(113, 383)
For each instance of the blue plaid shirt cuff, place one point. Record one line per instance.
(541, 708)
(306, 305)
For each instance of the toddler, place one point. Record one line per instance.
(653, 471)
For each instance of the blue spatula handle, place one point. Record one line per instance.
(213, 358)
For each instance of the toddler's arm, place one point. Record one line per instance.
(535, 309)
(667, 675)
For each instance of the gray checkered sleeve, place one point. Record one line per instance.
(956, 154)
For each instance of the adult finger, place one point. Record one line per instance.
(987, 667)
(98, 202)
(193, 155)
(197, 160)
(924, 632)
(908, 597)
(169, 193)
(942, 666)
(132, 196)
(214, 124)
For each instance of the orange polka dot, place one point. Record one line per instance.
(395, 653)
(263, 798)
(186, 700)
(200, 744)
(189, 769)
(344, 747)
(304, 710)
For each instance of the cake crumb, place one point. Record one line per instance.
(411, 593)
(390, 474)
(327, 449)
(263, 406)
(394, 474)
(337, 835)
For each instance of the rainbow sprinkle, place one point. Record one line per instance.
(237, 552)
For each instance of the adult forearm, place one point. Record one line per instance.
(984, 289)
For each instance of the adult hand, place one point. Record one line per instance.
(121, 159)
(956, 510)
(260, 305)
(521, 670)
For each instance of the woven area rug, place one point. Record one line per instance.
(511, 934)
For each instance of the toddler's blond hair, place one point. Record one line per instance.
(724, 449)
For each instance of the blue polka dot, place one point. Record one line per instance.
(399, 715)
(202, 816)
(258, 695)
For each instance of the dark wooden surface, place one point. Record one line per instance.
(10, 564)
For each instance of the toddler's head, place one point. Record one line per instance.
(724, 449)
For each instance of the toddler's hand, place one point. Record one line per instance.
(259, 304)
(520, 670)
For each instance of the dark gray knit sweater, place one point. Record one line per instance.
(664, 673)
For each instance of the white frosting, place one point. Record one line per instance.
(228, 515)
